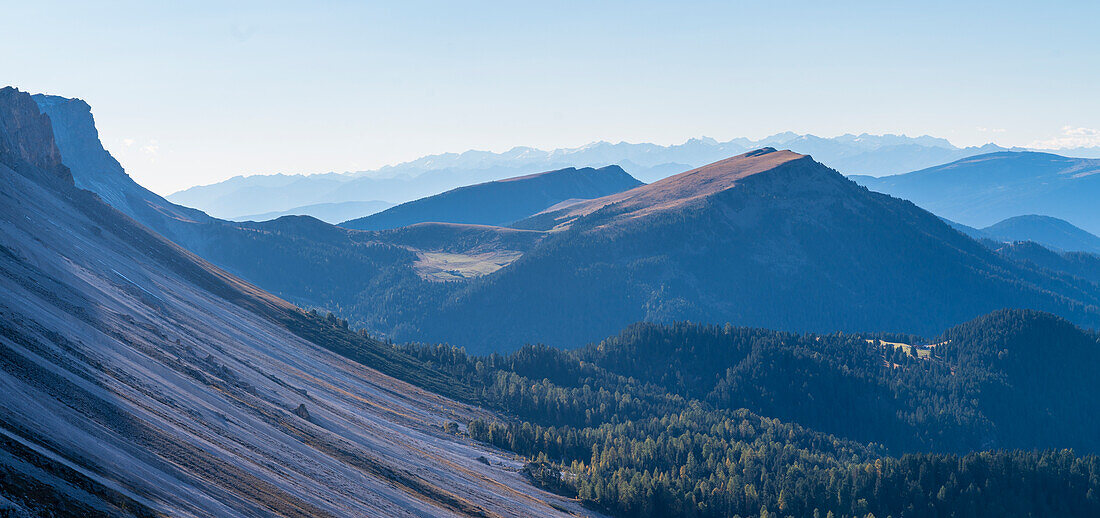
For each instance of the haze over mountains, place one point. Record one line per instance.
(982, 190)
(853, 154)
(741, 240)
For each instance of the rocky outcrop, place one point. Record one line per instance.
(302, 411)
(26, 137)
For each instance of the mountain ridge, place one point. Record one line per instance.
(332, 213)
(982, 190)
(501, 202)
(684, 188)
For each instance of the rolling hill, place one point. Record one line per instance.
(661, 418)
(138, 379)
(1054, 233)
(502, 202)
(1083, 265)
(982, 190)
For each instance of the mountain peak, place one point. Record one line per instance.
(731, 169)
(983, 189)
(687, 187)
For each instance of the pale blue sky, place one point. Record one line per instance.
(190, 93)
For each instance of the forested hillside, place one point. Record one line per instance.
(1082, 265)
(667, 420)
(1056, 234)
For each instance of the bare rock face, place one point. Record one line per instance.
(77, 139)
(26, 136)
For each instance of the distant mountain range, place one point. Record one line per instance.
(853, 154)
(982, 190)
(502, 202)
(300, 258)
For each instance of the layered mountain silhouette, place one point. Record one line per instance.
(861, 154)
(1042, 241)
(503, 202)
(140, 380)
(743, 240)
(321, 255)
(982, 190)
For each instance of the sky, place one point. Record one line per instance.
(191, 93)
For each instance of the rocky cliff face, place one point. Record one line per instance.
(77, 140)
(94, 169)
(26, 136)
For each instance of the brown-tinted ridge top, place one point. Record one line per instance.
(686, 187)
